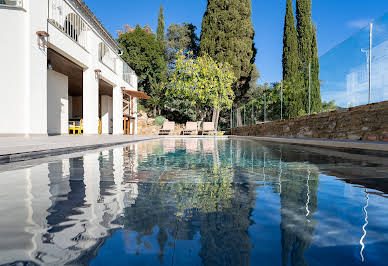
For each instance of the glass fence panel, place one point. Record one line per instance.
(344, 70)
(379, 70)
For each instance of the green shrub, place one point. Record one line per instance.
(159, 120)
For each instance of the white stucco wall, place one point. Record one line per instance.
(57, 103)
(13, 71)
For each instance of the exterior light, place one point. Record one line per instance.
(49, 65)
(97, 73)
(42, 39)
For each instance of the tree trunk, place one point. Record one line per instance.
(238, 117)
(216, 116)
(154, 111)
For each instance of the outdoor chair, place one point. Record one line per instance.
(75, 127)
(191, 127)
(208, 128)
(168, 128)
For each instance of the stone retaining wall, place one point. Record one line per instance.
(366, 122)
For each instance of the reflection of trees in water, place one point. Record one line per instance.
(298, 204)
(217, 199)
(224, 234)
(208, 202)
(297, 185)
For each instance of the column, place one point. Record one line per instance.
(106, 114)
(36, 62)
(90, 102)
(117, 111)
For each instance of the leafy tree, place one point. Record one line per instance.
(329, 106)
(290, 45)
(293, 94)
(316, 101)
(227, 36)
(305, 44)
(160, 29)
(305, 31)
(146, 56)
(181, 38)
(204, 82)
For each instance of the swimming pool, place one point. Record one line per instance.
(196, 202)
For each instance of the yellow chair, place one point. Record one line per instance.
(72, 127)
(79, 128)
(75, 127)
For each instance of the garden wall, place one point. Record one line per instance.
(365, 122)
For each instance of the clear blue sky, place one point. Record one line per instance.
(336, 20)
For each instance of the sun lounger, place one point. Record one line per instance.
(168, 128)
(208, 128)
(191, 127)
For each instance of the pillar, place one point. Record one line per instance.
(106, 114)
(117, 110)
(90, 102)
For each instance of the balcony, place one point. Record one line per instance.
(106, 56)
(64, 17)
(129, 75)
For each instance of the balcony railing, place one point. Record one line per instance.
(12, 3)
(128, 74)
(106, 56)
(65, 18)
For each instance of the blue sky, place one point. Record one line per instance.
(336, 20)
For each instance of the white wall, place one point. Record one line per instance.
(13, 71)
(57, 103)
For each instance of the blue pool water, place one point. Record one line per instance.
(196, 202)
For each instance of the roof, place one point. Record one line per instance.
(137, 94)
(98, 24)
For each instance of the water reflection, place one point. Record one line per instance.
(176, 201)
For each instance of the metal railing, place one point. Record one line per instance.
(13, 3)
(65, 18)
(106, 56)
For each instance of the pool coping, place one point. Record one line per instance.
(37, 154)
(335, 144)
(326, 143)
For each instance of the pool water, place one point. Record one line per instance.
(196, 202)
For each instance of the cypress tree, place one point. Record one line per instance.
(316, 101)
(305, 38)
(160, 29)
(227, 36)
(290, 45)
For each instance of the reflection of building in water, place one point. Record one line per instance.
(357, 81)
(64, 208)
(299, 183)
(224, 234)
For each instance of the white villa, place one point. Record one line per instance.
(59, 66)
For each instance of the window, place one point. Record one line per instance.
(15, 3)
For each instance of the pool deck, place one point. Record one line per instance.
(13, 149)
(23, 148)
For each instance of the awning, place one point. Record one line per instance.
(137, 94)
